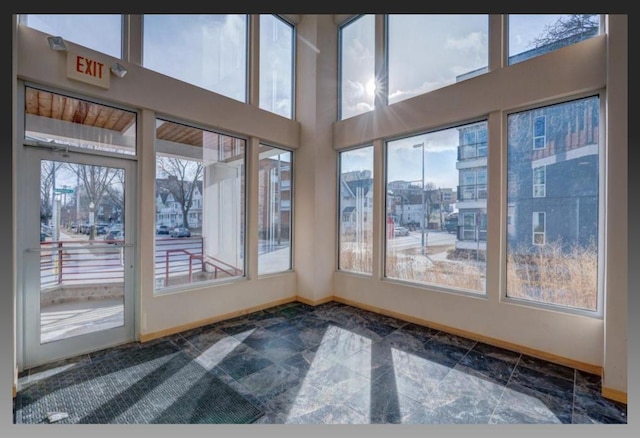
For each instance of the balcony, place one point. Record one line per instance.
(472, 150)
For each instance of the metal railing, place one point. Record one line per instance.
(184, 256)
(87, 262)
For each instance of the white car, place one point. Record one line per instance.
(400, 231)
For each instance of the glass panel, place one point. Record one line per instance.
(427, 52)
(559, 263)
(428, 188)
(65, 121)
(276, 66)
(274, 210)
(100, 32)
(209, 51)
(356, 210)
(82, 269)
(531, 35)
(200, 205)
(357, 67)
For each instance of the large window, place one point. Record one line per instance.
(427, 52)
(276, 65)
(100, 32)
(552, 254)
(532, 35)
(200, 205)
(436, 212)
(71, 122)
(209, 51)
(356, 210)
(274, 210)
(357, 67)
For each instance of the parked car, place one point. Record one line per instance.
(114, 235)
(180, 232)
(400, 231)
(162, 229)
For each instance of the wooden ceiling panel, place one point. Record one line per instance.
(55, 106)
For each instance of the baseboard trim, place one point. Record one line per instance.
(615, 395)
(146, 337)
(314, 303)
(586, 367)
(582, 366)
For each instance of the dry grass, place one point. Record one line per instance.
(467, 275)
(409, 264)
(356, 256)
(551, 275)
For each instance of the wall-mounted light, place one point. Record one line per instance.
(118, 70)
(57, 43)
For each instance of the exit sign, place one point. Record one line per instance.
(88, 70)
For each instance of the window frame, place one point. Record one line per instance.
(603, 170)
(291, 209)
(542, 233)
(339, 213)
(540, 189)
(189, 287)
(292, 111)
(537, 139)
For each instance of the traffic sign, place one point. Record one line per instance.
(57, 190)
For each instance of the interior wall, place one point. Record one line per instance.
(615, 359)
(315, 161)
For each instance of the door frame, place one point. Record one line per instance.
(27, 158)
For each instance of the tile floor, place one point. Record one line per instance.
(337, 364)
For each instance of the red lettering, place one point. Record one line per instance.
(89, 65)
(79, 64)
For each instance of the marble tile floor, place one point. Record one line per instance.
(338, 364)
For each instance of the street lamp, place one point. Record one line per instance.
(421, 145)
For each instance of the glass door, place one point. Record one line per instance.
(79, 254)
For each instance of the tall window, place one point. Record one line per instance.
(552, 252)
(200, 205)
(274, 210)
(538, 227)
(427, 52)
(356, 210)
(539, 185)
(539, 132)
(532, 35)
(276, 65)
(209, 51)
(100, 32)
(436, 188)
(357, 66)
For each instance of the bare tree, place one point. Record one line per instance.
(182, 178)
(96, 182)
(570, 27)
(115, 193)
(47, 171)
